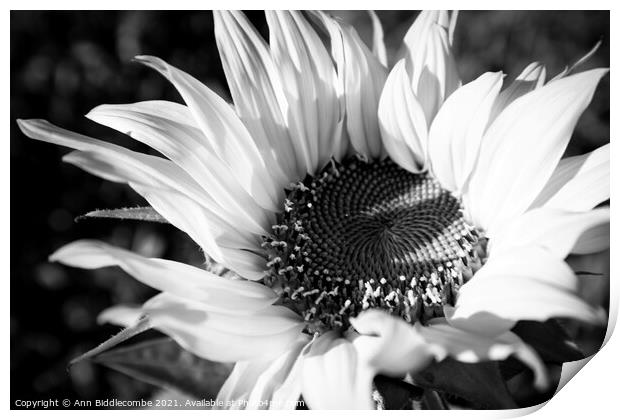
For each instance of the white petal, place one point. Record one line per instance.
(182, 280)
(269, 386)
(182, 143)
(333, 378)
(224, 132)
(570, 69)
(390, 345)
(522, 147)
(288, 393)
(254, 384)
(236, 389)
(560, 232)
(218, 237)
(402, 122)
(578, 183)
(118, 164)
(256, 90)
(121, 315)
(245, 262)
(452, 25)
(456, 132)
(378, 45)
(520, 284)
(430, 62)
(309, 81)
(532, 77)
(415, 36)
(127, 164)
(363, 77)
(224, 337)
(165, 110)
(186, 146)
(268, 320)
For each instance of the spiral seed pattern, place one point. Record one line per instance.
(369, 234)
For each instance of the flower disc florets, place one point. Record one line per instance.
(370, 234)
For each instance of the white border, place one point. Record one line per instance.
(317, 4)
(591, 395)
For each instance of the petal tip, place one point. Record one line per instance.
(28, 126)
(153, 62)
(56, 256)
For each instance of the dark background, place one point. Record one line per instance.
(65, 63)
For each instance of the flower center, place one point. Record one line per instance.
(369, 234)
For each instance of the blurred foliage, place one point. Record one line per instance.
(64, 63)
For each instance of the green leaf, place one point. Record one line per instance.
(479, 383)
(162, 362)
(145, 214)
(550, 341)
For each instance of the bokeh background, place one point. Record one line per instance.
(64, 63)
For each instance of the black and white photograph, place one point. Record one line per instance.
(307, 209)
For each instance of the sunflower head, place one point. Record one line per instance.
(368, 234)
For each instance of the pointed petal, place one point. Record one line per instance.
(245, 262)
(121, 315)
(578, 183)
(309, 81)
(254, 384)
(147, 169)
(430, 63)
(532, 77)
(426, 19)
(332, 377)
(522, 147)
(402, 122)
(257, 91)
(456, 132)
(289, 392)
(223, 337)
(520, 284)
(378, 45)
(218, 237)
(452, 25)
(158, 109)
(235, 392)
(205, 227)
(363, 77)
(183, 144)
(570, 69)
(119, 164)
(559, 232)
(224, 132)
(160, 198)
(220, 294)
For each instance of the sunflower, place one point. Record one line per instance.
(369, 220)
